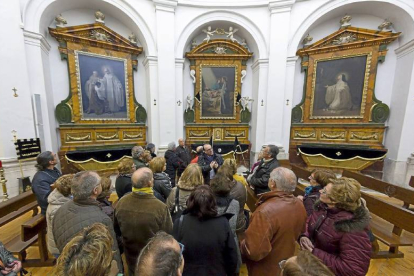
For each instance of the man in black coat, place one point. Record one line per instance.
(209, 162)
(173, 162)
(259, 179)
(184, 154)
(46, 175)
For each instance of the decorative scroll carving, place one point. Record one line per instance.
(304, 136)
(240, 134)
(333, 137)
(362, 137)
(132, 136)
(103, 137)
(70, 138)
(194, 134)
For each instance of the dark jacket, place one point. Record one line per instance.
(260, 178)
(73, 216)
(138, 217)
(309, 200)
(173, 163)
(139, 163)
(275, 225)
(123, 185)
(205, 165)
(106, 207)
(162, 186)
(341, 241)
(41, 186)
(6, 256)
(184, 155)
(209, 246)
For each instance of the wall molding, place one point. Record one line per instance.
(405, 49)
(36, 39)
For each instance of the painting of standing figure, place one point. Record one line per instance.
(218, 95)
(339, 89)
(103, 87)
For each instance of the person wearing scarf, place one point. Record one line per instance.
(139, 215)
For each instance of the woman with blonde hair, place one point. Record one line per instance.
(189, 180)
(123, 183)
(162, 183)
(88, 253)
(337, 231)
(59, 196)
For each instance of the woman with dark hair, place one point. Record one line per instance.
(46, 175)
(151, 148)
(318, 180)
(123, 183)
(337, 231)
(221, 186)
(209, 243)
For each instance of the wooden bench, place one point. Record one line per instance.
(399, 216)
(32, 231)
(411, 183)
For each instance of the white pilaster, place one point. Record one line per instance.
(37, 57)
(287, 107)
(275, 104)
(151, 69)
(260, 70)
(179, 95)
(165, 36)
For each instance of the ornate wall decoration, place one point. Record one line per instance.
(101, 88)
(339, 102)
(217, 67)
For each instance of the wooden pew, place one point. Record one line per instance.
(400, 217)
(411, 182)
(32, 231)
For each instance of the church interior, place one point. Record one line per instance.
(328, 83)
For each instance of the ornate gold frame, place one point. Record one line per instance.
(236, 87)
(364, 90)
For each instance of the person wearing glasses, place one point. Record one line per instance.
(83, 211)
(275, 226)
(162, 256)
(209, 161)
(317, 180)
(210, 248)
(259, 179)
(337, 231)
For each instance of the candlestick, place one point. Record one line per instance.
(3, 184)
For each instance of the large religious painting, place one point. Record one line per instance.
(104, 86)
(340, 86)
(217, 94)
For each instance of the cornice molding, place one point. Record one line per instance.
(36, 39)
(150, 61)
(260, 63)
(165, 5)
(405, 49)
(281, 6)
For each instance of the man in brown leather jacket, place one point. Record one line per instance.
(275, 225)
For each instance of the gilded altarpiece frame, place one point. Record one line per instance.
(217, 112)
(339, 107)
(101, 111)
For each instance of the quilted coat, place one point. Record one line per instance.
(341, 241)
(162, 186)
(73, 216)
(56, 200)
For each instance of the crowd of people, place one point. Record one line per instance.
(181, 216)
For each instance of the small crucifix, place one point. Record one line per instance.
(179, 103)
(287, 102)
(15, 90)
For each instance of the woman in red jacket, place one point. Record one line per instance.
(336, 232)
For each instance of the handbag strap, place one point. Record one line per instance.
(177, 199)
(318, 224)
(180, 226)
(227, 207)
